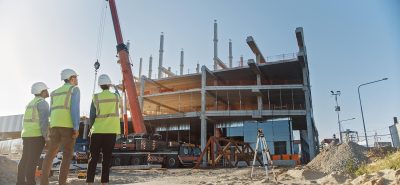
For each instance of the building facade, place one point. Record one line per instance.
(193, 107)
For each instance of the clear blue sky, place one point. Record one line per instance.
(348, 43)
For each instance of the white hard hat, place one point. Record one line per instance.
(104, 80)
(38, 87)
(67, 73)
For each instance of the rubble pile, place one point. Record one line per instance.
(339, 158)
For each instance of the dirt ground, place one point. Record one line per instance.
(238, 176)
(225, 176)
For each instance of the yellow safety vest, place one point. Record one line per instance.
(31, 124)
(107, 113)
(60, 115)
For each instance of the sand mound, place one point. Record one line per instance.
(339, 158)
(8, 171)
(305, 174)
(380, 177)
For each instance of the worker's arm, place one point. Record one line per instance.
(92, 114)
(75, 104)
(116, 91)
(43, 109)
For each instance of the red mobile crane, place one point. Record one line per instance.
(128, 82)
(136, 149)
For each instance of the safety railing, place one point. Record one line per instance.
(276, 58)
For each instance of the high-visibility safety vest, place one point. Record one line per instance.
(107, 113)
(60, 115)
(31, 124)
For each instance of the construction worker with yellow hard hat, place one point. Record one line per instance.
(105, 122)
(64, 125)
(34, 133)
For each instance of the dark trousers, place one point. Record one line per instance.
(32, 148)
(103, 143)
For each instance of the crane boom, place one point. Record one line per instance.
(128, 82)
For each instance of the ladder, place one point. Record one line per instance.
(266, 157)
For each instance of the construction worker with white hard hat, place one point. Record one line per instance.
(64, 125)
(105, 122)
(34, 133)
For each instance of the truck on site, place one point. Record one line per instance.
(143, 149)
(140, 147)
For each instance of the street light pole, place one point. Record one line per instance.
(362, 112)
(337, 109)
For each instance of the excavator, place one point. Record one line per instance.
(141, 147)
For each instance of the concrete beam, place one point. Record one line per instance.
(220, 63)
(212, 75)
(172, 93)
(208, 71)
(251, 113)
(253, 66)
(300, 38)
(224, 113)
(251, 87)
(253, 46)
(161, 105)
(157, 84)
(166, 71)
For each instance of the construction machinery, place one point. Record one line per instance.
(140, 147)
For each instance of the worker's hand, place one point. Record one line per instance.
(46, 143)
(75, 134)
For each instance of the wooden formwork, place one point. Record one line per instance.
(220, 148)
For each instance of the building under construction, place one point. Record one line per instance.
(272, 93)
(266, 92)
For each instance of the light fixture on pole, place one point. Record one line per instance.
(362, 113)
(337, 109)
(341, 121)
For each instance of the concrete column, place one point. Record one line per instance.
(259, 97)
(181, 66)
(258, 79)
(203, 129)
(160, 58)
(141, 98)
(150, 66)
(215, 44)
(310, 130)
(230, 53)
(140, 67)
(197, 68)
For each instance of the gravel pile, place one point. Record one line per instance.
(339, 158)
(8, 171)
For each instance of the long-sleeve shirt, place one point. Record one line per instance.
(92, 114)
(75, 105)
(44, 112)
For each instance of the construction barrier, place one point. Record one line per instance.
(285, 157)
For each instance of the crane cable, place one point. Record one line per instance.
(100, 37)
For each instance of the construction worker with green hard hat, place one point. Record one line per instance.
(64, 125)
(105, 121)
(34, 133)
